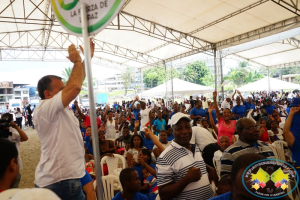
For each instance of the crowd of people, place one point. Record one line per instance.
(194, 149)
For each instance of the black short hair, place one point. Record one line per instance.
(242, 162)
(7, 116)
(147, 152)
(45, 84)
(131, 142)
(125, 175)
(8, 151)
(274, 121)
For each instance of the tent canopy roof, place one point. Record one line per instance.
(146, 32)
(275, 85)
(179, 87)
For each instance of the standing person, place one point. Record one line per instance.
(7, 109)
(192, 102)
(225, 125)
(19, 118)
(205, 103)
(146, 117)
(197, 113)
(136, 109)
(175, 110)
(29, 116)
(159, 124)
(62, 158)
(111, 125)
(225, 104)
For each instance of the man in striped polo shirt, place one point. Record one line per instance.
(248, 142)
(181, 171)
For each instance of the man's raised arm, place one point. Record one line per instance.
(77, 76)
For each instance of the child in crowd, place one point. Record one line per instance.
(263, 131)
(150, 184)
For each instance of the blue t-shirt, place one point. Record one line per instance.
(171, 137)
(139, 168)
(269, 109)
(295, 152)
(152, 183)
(86, 179)
(136, 113)
(148, 143)
(225, 196)
(137, 196)
(88, 145)
(172, 113)
(214, 115)
(295, 126)
(239, 110)
(160, 125)
(195, 111)
(249, 106)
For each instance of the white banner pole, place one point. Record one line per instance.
(88, 70)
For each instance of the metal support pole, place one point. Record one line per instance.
(268, 79)
(221, 72)
(281, 78)
(215, 69)
(166, 81)
(172, 82)
(142, 82)
(88, 69)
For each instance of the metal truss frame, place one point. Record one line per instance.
(290, 5)
(51, 55)
(291, 64)
(260, 32)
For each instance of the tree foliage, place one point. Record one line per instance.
(66, 74)
(156, 76)
(127, 78)
(242, 74)
(195, 72)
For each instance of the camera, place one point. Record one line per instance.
(4, 124)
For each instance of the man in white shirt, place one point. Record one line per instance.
(145, 117)
(7, 109)
(204, 103)
(62, 158)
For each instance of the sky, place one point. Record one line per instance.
(29, 72)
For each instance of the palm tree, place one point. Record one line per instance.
(66, 74)
(127, 78)
(151, 76)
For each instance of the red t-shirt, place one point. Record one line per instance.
(264, 136)
(87, 121)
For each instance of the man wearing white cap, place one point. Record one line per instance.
(226, 103)
(181, 171)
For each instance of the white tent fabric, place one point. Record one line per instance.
(179, 87)
(275, 85)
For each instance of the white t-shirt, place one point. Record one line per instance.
(62, 152)
(7, 110)
(144, 117)
(202, 137)
(218, 155)
(16, 138)
(204, 104)
(279, 135)
(18, 115)
(164, 145)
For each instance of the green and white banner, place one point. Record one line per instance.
(99, 14)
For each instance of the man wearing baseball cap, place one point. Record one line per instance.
(181, 171)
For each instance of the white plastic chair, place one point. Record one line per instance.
(112, 163)
(108, 186)
(217, 169)
(108, 183)
(279, 146)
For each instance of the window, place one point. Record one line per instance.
(25, 98)
(17, 92)
(25, 92)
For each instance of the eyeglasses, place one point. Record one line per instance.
(251, 128)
